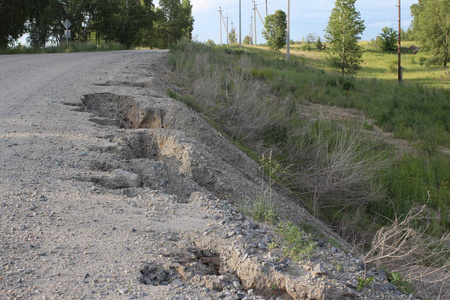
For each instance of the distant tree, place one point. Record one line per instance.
(431, 25)
(319, 44)
(388, 39)
(247, 40)
(407, 35)
(232, 36)
(276, 30)
(309, 40)
(342, 35)
(210, 43)
(173, 21)
(14, 14)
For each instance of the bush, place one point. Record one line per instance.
(405, 248)
(411, 179)
(275, 134)
(298, 244)
(334, 166)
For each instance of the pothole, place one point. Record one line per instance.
(194, 266)
(209, 269)
(122, 111)
(124, 83)
(153, 274)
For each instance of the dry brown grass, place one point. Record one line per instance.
(422, 259)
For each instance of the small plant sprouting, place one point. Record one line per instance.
(363, 282)
(339, 267)
(402, 284)
(272, 246)
(172, 94)
(299, 244)
(130, 287)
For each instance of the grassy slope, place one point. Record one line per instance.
(411, 111)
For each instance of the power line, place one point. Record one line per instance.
(220, 24)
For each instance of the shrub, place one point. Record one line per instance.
(275, 134)
(405, 248)
(298, 244)
(334, 166)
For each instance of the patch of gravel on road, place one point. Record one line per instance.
(124, 193)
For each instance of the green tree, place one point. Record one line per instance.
(431, 25)
(319, 44)
(407, 35)
(232, 36)
(48, 26)
(14, 14)
(173, 21)
(275, 30)
(310, 39)
(342, 35)
(247, 40)
(388, 39)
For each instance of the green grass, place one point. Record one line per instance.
(418, 180)
(411, 110)
(297, 244)
(383, 65)
(417, 109)
(63, 48)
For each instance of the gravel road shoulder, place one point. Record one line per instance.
(111, 190)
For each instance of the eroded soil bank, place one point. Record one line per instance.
(112, 190)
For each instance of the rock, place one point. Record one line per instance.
(177, 282)
(120, 179)
(387, 287)
(319, 269)
(237, 285)
(382, 276)
(351, 284)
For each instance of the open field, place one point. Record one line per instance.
(377, 64)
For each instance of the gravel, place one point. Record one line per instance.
(111, 190)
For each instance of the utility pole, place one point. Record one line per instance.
(254, 11)
(251, 30)
(400, 69)
(240, 32)
(226, 29)
(262, 21)
(220, 24)
(288, 39)
(234, 38)
(267, 13)
(228, 38)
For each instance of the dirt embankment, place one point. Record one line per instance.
(112, 190)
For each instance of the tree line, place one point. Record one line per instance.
(430, 26)
(128, 22)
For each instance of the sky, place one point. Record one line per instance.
(306, 17)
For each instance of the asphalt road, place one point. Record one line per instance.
(24, 79)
